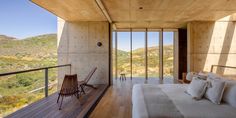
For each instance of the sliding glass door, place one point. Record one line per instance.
(168, 54)
(114, 55)
(153, 54)
(143, 53)
(123, 53)
(138, 53)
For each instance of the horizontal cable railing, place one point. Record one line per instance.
(45, 76)
(41, 88)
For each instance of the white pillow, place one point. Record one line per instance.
(190, 76)
(229, 95)
(202, 75)
(197, 88)
(215, 90)
(213, 76)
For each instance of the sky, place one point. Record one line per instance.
(22, 18)
(123, 39)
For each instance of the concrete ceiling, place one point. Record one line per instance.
(142, 13)
(73, 10)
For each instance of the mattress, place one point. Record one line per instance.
(183, 103)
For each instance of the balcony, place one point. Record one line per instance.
(47, 106)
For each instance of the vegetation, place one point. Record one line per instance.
(138, 62)
(16, 91)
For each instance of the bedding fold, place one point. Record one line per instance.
(154, 103)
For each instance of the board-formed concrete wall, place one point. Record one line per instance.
(211, 43)
(77, 45)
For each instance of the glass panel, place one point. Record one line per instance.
(138, 56)
(114, 54)
(123, 53)
(18, 91)
(153, 54)
(52, 80)
(168, 54)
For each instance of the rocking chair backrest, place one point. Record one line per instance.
(69, 85)
(90, 75)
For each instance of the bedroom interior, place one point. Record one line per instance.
(177, 56)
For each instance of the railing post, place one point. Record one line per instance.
(46, 82)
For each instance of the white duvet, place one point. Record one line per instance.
(188, 107)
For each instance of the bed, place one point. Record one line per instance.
(171, 100)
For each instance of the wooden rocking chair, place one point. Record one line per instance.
(84, 82)
(69, 88)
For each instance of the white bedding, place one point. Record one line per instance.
(187, 106)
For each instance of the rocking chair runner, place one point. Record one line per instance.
(69, 88)
(84, 82)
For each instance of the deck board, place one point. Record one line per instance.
(71, 107)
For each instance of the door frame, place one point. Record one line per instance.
(146, 30)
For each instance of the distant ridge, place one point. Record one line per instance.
(37, 47)
(41, 36)
(4, 37)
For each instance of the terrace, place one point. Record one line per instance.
(150, 41)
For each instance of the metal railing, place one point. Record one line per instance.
(37, 69)
(221, 66)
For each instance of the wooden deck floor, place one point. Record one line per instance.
(116, 103)
(72, 107)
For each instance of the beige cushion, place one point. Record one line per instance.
(215, 90)
(197, 88)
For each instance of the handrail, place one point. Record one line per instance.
(37, 69)
(212, 66)
(30, 70)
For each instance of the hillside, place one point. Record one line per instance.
(27, 53)
(123, 61)
(15, 54)
(5, 38)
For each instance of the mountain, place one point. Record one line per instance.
(5, 38)
(32, 52)
(33, 46)
(15, 55)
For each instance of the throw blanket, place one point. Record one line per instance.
(152, 102)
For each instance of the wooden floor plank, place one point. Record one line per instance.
(71, 108)
(116, 103)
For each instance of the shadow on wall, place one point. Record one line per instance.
(225, 51)
(203, 44)
(213, 43)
